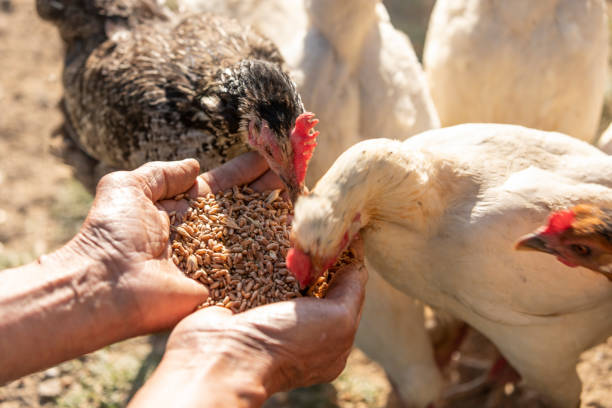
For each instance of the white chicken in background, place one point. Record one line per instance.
(283, 21)
(541, 64)
(605, 140)
(362, 75)
(439, 214)
(363, 79)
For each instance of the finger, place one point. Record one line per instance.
(189, 290)
(214, 312)
(268, 181)
(348, 288)
(240, 170)
(335, 367)
(167, 179)
(170, 296)
(178, 206)
(211, 315)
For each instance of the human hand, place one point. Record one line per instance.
(242, 359)
(114, 279)
(127, 230)
(249, 168)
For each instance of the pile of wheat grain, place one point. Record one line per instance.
(235, 243)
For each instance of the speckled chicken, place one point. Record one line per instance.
(141, 84)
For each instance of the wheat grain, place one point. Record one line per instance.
(235, 243)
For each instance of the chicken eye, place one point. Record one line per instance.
(581, 250)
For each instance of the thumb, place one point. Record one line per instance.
(348, 288)
(171, 299)
(167, 179)
(212, 313)
(213, 316)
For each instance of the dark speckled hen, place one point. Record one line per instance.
(141, 84)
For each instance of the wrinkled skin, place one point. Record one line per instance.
(115, 279)
(128, 233)
(283, 345)
(292, 344)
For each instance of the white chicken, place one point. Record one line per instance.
(439, 214)
(283, 21)
(605, 140)
(541, 64)
(364, 80)
(362, 77)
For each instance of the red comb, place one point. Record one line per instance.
(303, 140)
(559, 222)
(299, 265)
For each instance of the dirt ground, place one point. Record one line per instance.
(41, 206)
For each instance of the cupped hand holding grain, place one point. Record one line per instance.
(127, 229)
(220, 359)
(115, 279)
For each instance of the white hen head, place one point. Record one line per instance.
(341, 204)
(319, 236)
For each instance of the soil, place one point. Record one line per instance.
(41, 206)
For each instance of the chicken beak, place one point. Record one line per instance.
(299, 263)
(294, 192)
(294, 189)
(533, 242)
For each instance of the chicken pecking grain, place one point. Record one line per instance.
(439, 215)
(141, 84)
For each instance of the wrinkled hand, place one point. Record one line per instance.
(127, 231)
(287, 344)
